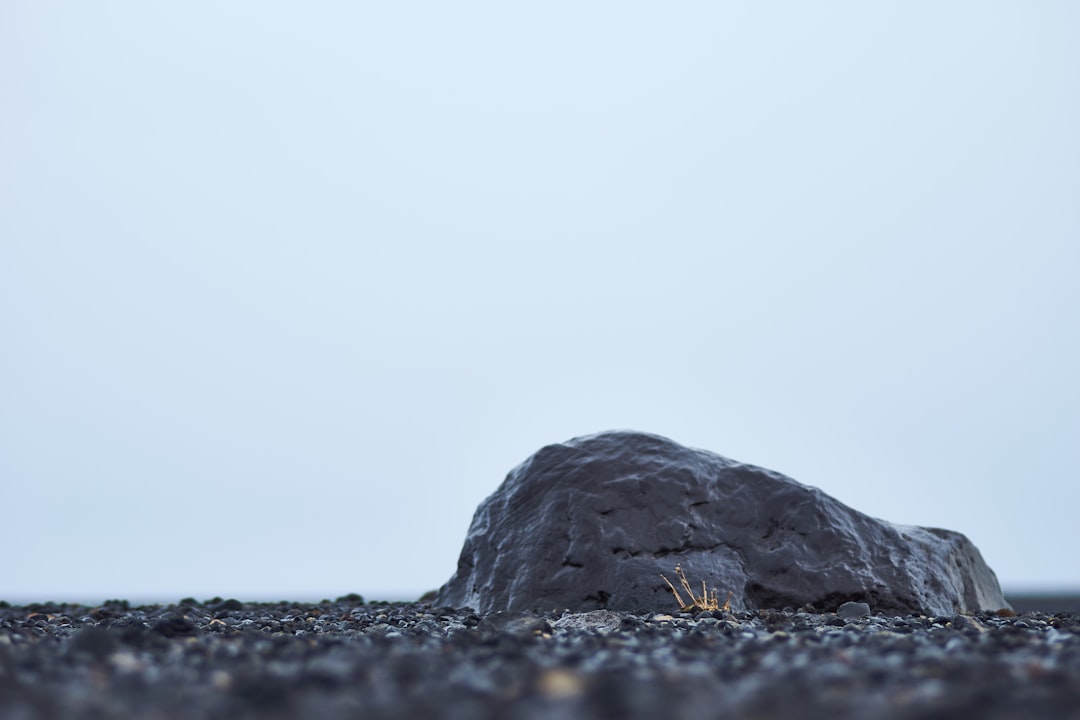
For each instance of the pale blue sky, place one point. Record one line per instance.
(286, 289)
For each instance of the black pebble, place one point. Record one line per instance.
(174, 626)
(229, 604)
(93, 642)
(515, 623)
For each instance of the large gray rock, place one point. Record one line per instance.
(593, 523)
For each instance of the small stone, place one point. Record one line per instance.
(515, 623)
(174, 626)
(230, 604)
(600, 620)
(852, 610)
(126, 662)
(93, 642)
(560, 684)
(221, 680)
(964, 622)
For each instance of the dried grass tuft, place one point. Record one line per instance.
(703, 602)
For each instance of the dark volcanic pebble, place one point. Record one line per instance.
(347, 659)
(853, 610)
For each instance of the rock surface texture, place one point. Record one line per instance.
(593, 523)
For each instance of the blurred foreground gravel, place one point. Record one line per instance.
(348, 659)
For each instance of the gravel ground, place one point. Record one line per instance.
(348, 659)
